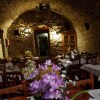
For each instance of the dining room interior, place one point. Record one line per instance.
(49, 37)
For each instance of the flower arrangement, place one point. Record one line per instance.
(28, 54)
(47, 81)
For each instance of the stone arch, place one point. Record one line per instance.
(33, 18)
(77, 11)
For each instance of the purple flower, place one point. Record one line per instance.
(48, 62)
(44, 87)
(56, 83)
(35, 72)
(56, 67)
(49, 84)
(49, 77)
(35, 86)
(54, 94)
(43, 67)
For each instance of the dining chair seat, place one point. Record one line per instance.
(18, 98)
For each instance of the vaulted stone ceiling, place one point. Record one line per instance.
(75, 10)
(35, 18)
(78, 12)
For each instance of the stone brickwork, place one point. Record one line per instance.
(88, 40)
(55, 44)
(18, 46)
(78, 12)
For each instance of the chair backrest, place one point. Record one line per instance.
(1, 80)
(84, 54)
(15, 89)
(83, 84)
(9, 77)
(76, 60)
(13, 78)
(2, 68)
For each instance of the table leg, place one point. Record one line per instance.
(92, 80)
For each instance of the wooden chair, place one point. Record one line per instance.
(76, 60)
(2, 68)
(84, 54)
(83, 58)
(80, 85)
(82, 82)
(14, 91)
(9, 77)
(1, 80)
(75, 70)
(13, 78)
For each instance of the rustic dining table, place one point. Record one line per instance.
(93, 69)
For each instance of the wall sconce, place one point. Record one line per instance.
(26, 31)
(55, 36)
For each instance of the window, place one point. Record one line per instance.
(69, 41)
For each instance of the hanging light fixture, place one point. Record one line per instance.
(43, 8)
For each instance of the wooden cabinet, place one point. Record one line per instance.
(69, 41)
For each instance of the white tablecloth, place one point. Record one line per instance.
(95, 94)
(95, 69)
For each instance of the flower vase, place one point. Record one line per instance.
(38, 98)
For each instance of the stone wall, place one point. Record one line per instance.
(19, 45)
(88, 40)
(55, 44)
(78, 11)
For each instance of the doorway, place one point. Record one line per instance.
(42, 43)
